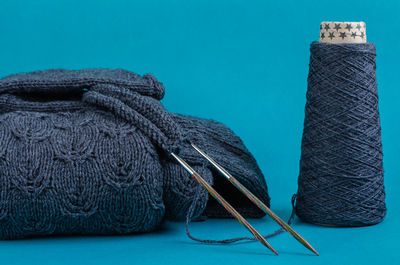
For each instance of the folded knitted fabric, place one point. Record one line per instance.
(219, 142)
(87, 152)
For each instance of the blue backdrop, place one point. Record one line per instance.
(243, 63)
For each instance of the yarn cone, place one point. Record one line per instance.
(341, 171)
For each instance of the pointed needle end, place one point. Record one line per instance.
(265, 243)
(311, 248)
(273, 250)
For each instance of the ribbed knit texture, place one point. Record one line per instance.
(87, 152)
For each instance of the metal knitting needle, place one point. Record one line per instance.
(224, 203)
(256, 201)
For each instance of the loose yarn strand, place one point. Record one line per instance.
(189, 217)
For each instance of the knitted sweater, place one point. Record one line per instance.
(87, 152)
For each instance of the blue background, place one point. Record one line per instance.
(243, 63)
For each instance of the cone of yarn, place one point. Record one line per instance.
(341, 170)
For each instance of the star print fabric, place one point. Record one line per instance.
(343, 32)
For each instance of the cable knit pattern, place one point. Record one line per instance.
(78, 172)
(87, 152)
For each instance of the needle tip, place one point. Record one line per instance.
(313, 250)
(270, 247)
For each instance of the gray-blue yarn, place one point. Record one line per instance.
(87, 152)
(341, 172)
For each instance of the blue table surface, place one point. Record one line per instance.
(241, 62)
(170, 245)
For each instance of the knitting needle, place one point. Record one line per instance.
(256, 201)
(224, 203)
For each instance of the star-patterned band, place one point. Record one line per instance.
(343, 32)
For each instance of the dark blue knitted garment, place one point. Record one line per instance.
(87, 152)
